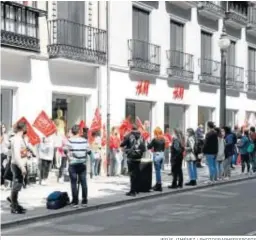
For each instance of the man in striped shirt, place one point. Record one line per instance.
(77, 151)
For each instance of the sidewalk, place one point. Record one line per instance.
(101, 190)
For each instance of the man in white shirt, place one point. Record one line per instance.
(18, 163)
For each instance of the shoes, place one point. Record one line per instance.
(84, 202)
(43, 183)
(131, 194)
(18, 210)
(172, 187)
(191, 183)
(158, 187)
(74, 204)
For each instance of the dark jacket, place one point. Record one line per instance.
(176, 152)
(127, 143)
(211, 143)
(230, 145)
(157, 144)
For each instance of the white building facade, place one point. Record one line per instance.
(166, 44)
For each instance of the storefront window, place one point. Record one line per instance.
(231, 118)
(205, 115)
(174, 116)
(251, 118)
(6, 107)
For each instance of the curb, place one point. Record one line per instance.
(167, 192)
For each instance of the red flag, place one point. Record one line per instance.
(104, 136)
(96, 122)
(125, 127)
(141, 128)
(44, 124)
(32, 135)
(81, 127)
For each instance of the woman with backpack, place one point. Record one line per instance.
(243, 149)
(190, 157)
(158, 145)
(177, 149)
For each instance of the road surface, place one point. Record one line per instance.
(222, 210)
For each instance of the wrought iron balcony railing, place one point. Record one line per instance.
(252, 18)
(235, 77)
(19, 26)
(144, 56)
(181, 65)
(76, 41)
(237, 13)
(210, 72)
(251, 85)
(211, 10)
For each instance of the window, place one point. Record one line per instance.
(206, 53)
(177, 38)
(140, 24)
(6, 107)
(231, 56)
(19, 20)
(252, 59)
(231, 118)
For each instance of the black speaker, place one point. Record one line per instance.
(145, 176)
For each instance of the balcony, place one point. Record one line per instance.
(19, 26)
(144, 56)
(181, 65)
(210, 72)
(235, 78)
(251, 86)
(74, 41)
(251, 27)
(185, 4)
(237, 14)
(211, 10)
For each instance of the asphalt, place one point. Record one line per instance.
(220, 210)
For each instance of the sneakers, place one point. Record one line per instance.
(18, 210)
(84, 203)
(74, 204)
(131, 194)
(158, 187)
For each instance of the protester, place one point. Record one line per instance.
(134, 146)
(221, 153)
(158, 146)
(243, 150)
(210, 150)
(45, 152)
(190, 157)
(19, 160)
(96, 149)
(229, 151)
(177, 150)
(77, 149)
(253, 154)
(199, 141)
(4, 141)
(168, 141)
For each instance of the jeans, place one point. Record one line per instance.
(62, 166)
(95, 166)
(134, 171)
(253, 161)
(158, 158)
(234, 159)
(226, 167)
(78, 172)
(45, 168)
(192, 171)
(18, 179)
(211, 159)
(219, 169)
(245, 161)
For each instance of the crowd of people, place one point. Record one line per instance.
(219, 148)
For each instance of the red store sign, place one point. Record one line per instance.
(142, 87)
(178, 92)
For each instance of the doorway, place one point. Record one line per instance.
(205, 114)
(6, 107)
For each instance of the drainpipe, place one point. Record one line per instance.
(98, 72)
(108, 81)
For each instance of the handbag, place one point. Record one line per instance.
(250, 148)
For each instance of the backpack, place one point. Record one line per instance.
(137, 148)
(250, 147)
(57, 200)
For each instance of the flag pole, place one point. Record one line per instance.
(108, 86)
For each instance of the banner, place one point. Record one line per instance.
(125, 127)
(32, 135)
(141, 128)
(96, 122)
(44, 124)
(104, 136)
(82, 125)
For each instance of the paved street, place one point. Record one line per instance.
(221, 210)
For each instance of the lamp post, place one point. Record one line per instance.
(224, 44)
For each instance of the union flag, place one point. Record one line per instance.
(44, 124)
(32, 135)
